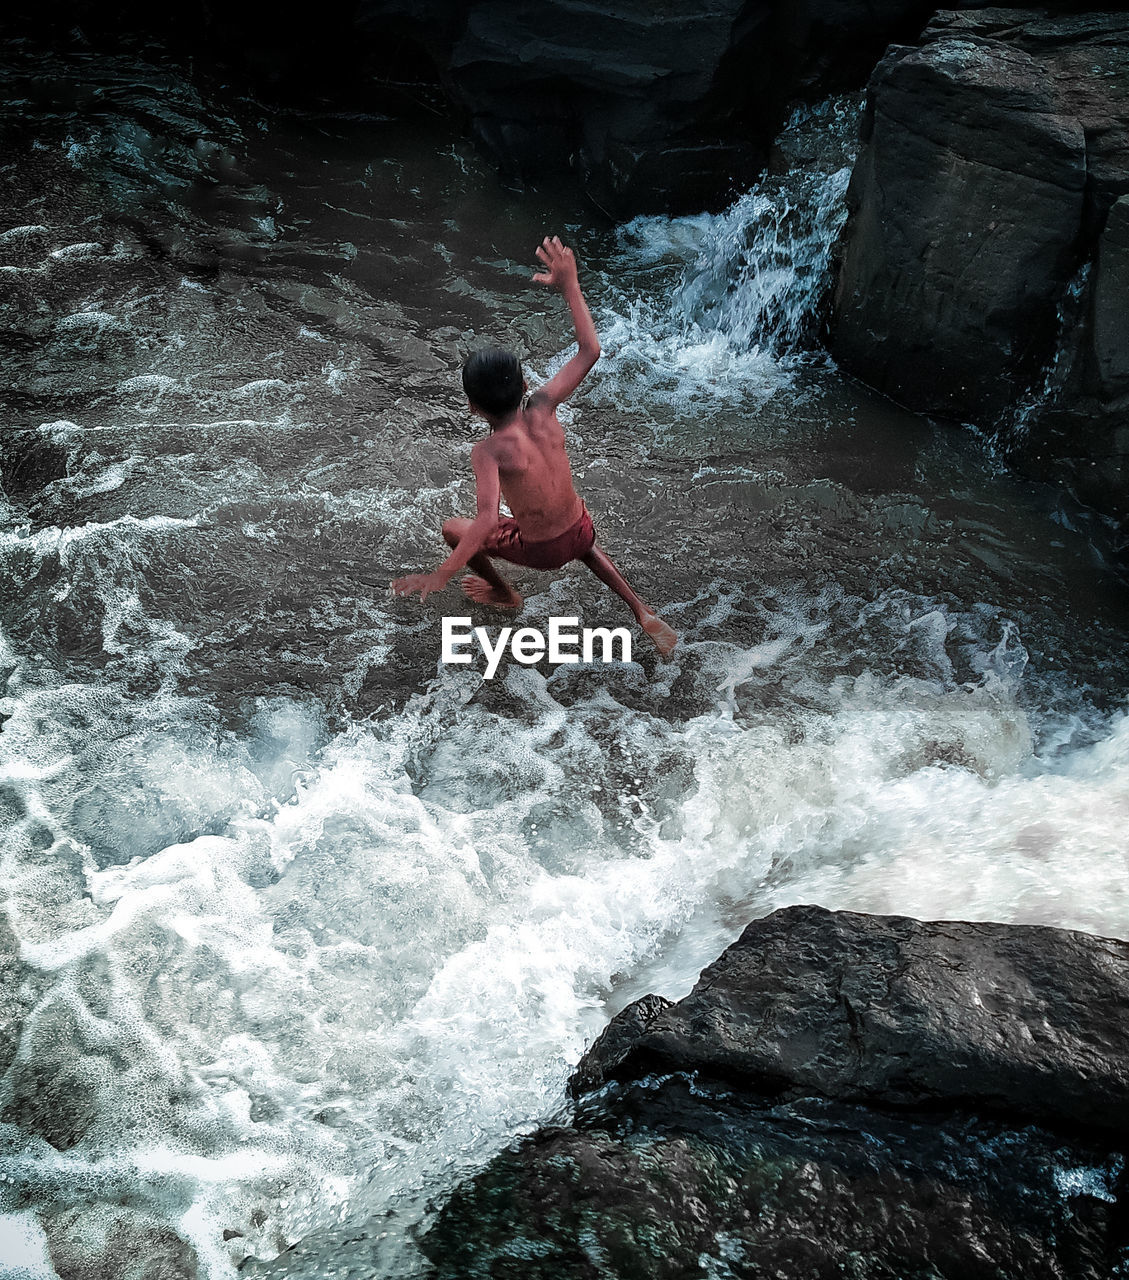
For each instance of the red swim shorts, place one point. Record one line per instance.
(507, 543)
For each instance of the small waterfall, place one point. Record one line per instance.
(762, 270)
(732, 302)
(1014, 425)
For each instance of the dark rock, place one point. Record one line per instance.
(656, 108)
(993, 153)
(627, 97)
(1023, 1021)
(840, 1095)
(1111, 303)
(616, 1041)
(669, 108)
(679, 1179)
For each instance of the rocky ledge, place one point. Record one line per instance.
(654, 106)
(840, 1095)
(985, 263)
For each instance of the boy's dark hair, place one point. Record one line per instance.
(493, 381)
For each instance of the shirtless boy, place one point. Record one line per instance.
(524, 460)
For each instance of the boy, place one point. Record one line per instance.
(524, 460)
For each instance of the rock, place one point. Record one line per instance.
(1027, 1022)
(637, 103)
(655, 107)
(681, 1180)
(840, 1095)
(664, 109)
(616, 1042)
(994, 151)
(1111, 303)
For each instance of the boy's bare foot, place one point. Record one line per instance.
(664, 637)
(481, 591)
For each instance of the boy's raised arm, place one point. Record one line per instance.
(560, 273)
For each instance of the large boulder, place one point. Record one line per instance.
(680, 1179)
(1111, 303)
(1021, 1021)
(840, 1094)
(654, 107)
(994, 151)
(622, 88)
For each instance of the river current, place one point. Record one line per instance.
(300, 924)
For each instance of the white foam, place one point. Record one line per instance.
(61, 541)
(83, 249)
(97, 322)
(23, 1248)
(385, 960)
(155, 382)
(730, 303)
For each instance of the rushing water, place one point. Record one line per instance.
(303, 924)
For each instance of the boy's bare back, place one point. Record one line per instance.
(533, 470)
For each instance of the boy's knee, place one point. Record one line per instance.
(453, 531)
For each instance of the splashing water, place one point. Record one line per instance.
(748, 287)
(1015, 425)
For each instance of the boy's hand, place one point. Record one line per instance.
(560, 261)
(424, 583)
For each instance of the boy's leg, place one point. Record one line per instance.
(663, 636)
(485, 585)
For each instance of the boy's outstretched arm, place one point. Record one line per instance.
(480, 528)
(560, 273)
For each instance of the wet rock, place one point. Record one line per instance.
(655, 107)
(1079, 434)
(994, 152)
(664, 109)
(117, 1244)
(1111, 303)
(668, 109)
(616, 1042)
(1023, 1021)
(840, 1094)
(616, 93)
(679, 1179)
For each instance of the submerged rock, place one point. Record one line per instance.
(994, 151)
(840, 1094)
(117, 1244)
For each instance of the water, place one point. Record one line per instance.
(1013, 430)
(308, 925)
